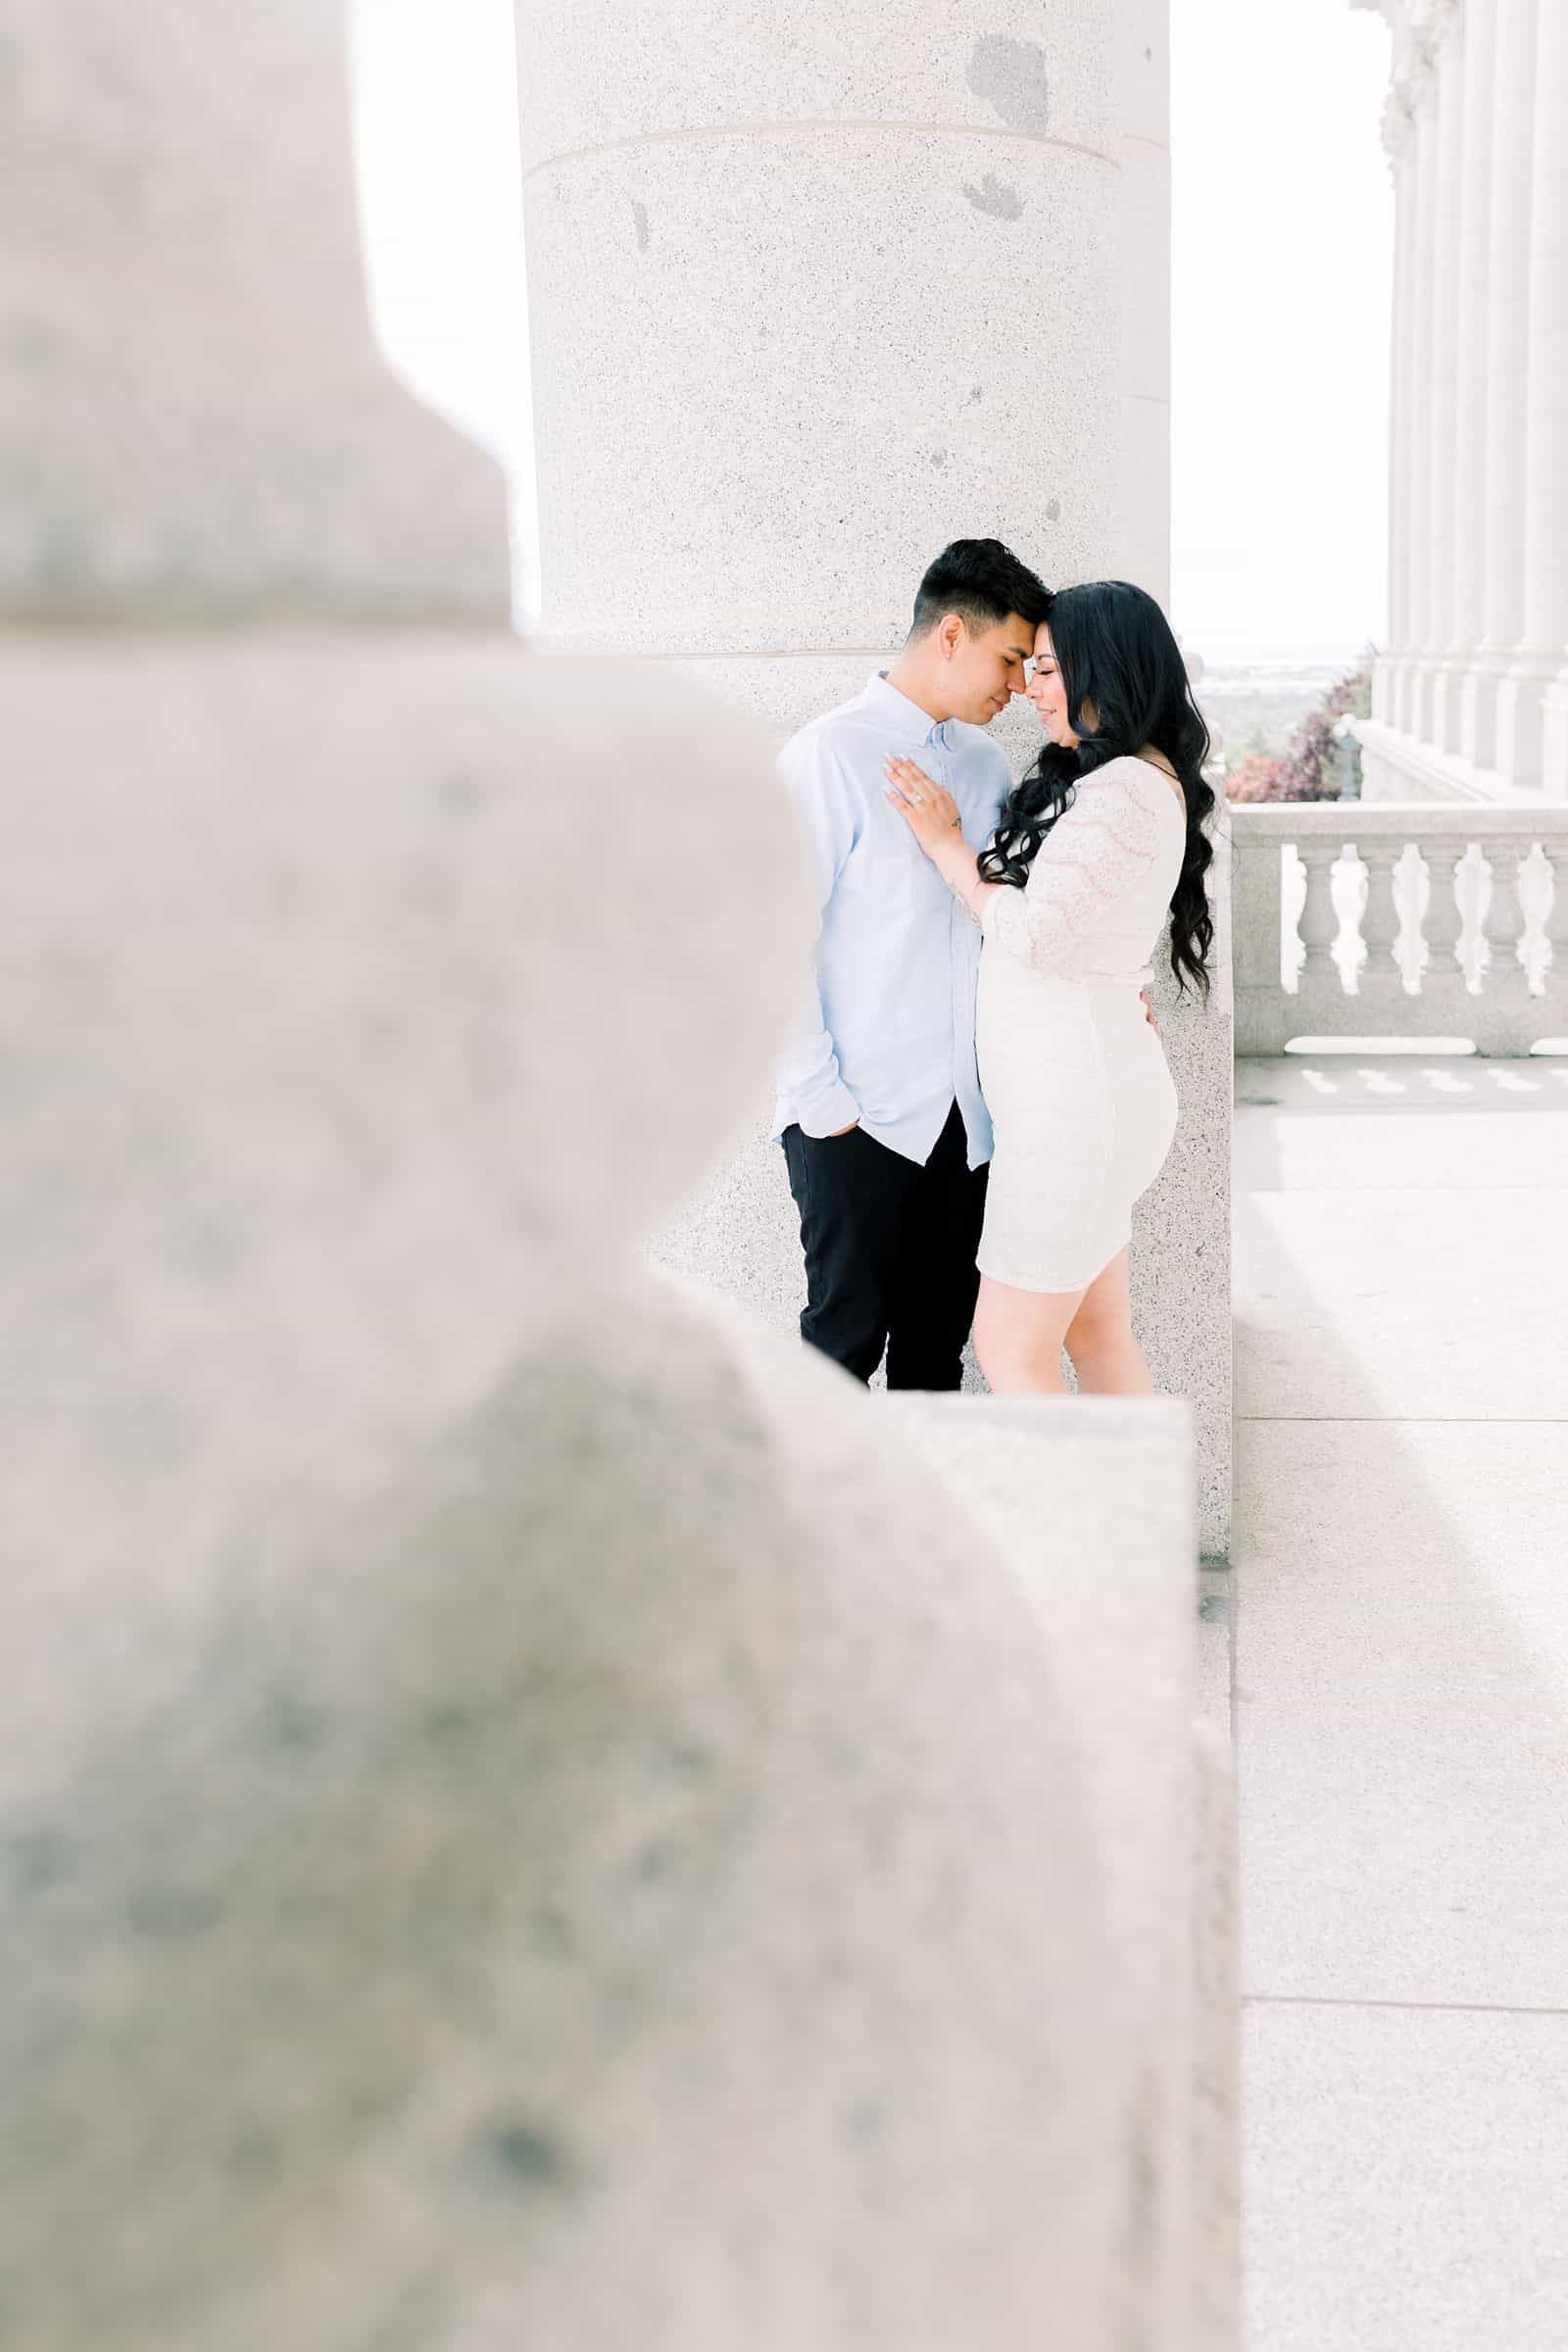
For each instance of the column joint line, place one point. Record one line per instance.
(811, 122)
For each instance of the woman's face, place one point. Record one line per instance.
(1047, 692)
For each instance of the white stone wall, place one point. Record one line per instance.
(1470, 697)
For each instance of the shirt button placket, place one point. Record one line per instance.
(958, 957)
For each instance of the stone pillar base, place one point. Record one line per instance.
(1478, 710)
(1521, 693)
(1554, 739)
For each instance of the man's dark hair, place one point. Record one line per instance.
(982, 581)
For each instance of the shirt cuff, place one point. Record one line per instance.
(828, 1112)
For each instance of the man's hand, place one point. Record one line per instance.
(1149, 1011)
(835, 1132)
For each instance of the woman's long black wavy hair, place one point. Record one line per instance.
(1115, 652)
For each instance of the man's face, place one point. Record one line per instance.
(987, 666)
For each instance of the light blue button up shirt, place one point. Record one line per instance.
(886, 1035)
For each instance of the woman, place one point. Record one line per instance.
(1100, 842)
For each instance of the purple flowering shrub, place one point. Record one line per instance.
(1316, 765)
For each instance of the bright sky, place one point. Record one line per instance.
(441, 197)
(1282, 225)
(1282, 230)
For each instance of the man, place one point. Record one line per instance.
(879, 1107)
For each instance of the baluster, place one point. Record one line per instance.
(1535, 898)
(1320, 922)
(1504, 1013)
(1556, 923)
(1472, 886)
(1445, 920)
(1380, 918)
(1505, 917)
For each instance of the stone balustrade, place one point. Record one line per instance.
(1402, 920)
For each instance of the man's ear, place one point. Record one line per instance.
(950, 634)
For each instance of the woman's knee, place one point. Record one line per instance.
(1103, 1314)
(1097, 1326)
(1019, 1347)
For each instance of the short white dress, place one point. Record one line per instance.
(1075, 1078)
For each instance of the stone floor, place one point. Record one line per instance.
(1398, 1628)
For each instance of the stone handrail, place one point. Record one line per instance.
(1401, 919)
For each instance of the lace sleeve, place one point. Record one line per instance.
(1107, 838)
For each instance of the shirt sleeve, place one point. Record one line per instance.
(1086, 862)
(808, 1065)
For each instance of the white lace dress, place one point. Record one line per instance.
(1074, 1077)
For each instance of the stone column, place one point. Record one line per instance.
(1508, 347)
(1141, 540)
(813, 293)
(1414, 523)
(1470, 510)
(1438, 498)
(1399, 138)
(1547, 516)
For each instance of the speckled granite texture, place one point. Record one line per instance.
(785, 533)
(1028, 72)
(809, 301)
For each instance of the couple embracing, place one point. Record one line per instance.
(976, 1095)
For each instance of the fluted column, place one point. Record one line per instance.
(1414, 521)
(806, 305)
(1399, 138)
(1469, 468)
(1437, 490)
(1546, 531)
(1508, 348)
(1540, 654)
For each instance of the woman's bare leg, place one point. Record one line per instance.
(1105, 1358)
(1018, 1338)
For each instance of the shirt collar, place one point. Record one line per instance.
(904, 718)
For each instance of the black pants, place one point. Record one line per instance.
(890, 1249)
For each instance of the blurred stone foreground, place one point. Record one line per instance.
(535, 1813)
